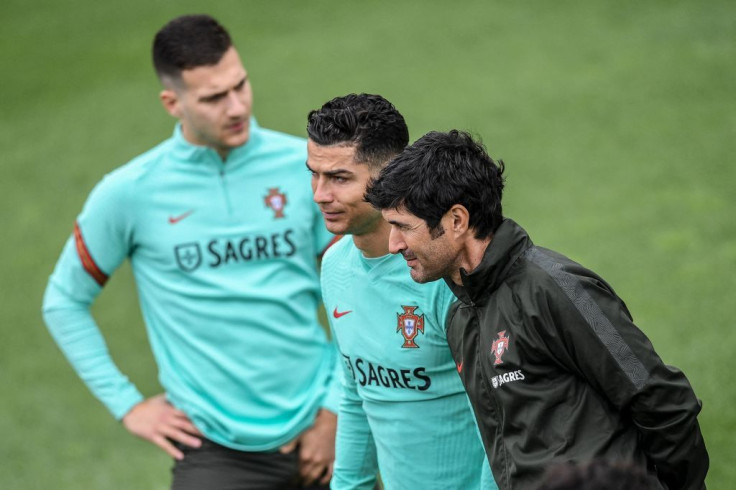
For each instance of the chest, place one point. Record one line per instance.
(217, 218)
(389, 327)
(500, 347)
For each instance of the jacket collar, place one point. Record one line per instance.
(188, 152)
(508, 243)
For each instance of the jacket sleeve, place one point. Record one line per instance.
(96, 248)
(333, 389)
(356, 463)
(603, 344)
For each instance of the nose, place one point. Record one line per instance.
(321, 191)
(236, 105)
(395, 241)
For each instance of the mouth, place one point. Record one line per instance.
(330, 215)
(411, 259)
(237, 127)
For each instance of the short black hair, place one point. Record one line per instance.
(188, 42)
(368, 121)
(438, 171)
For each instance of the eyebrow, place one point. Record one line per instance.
(216, 95)
(331, 173)
(403, 224)
(396, 223)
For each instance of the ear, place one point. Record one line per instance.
(170, 101)
(459, 219)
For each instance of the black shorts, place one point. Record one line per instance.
(216, 467)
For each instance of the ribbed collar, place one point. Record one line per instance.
(185, 151)
(508, 243)
(376, 264)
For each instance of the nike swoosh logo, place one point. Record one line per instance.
(459, 367)
(175, 219)
(338, 314)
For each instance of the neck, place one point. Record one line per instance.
(375, 242)
(470, 257)
(223, 153)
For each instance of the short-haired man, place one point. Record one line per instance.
(404, 411)
(554, 366)
(222, 234)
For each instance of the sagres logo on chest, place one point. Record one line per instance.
(188, 256)
(410, 324)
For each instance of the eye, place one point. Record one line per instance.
(213, 98)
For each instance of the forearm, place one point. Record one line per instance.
(71, 324)
(356, 465)
(618, 360)
(333, 386)
(666, 416)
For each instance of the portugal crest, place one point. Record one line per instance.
(410, 324)
(499, 346)
(276, 200)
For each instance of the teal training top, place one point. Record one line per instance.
(224, 259)
(404, 411)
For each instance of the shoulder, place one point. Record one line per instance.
(339, 253)
(140, 166)
(122, 182)
(278, 144)
(272, 135)
(544, 274)
(335, 276)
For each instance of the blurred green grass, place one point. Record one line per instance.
(616, 121)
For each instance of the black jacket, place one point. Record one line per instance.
(557, 371)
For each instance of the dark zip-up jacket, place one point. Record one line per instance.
(557, 371)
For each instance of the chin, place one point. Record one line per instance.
(336, 228)
(241, 141)
(417, 277)
(423, 277)
(237, 139)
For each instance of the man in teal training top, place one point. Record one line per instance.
(222, 235)
(404, 412)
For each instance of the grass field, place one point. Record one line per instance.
(616, 120)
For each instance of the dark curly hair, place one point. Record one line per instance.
(370, 122)
(438, 171)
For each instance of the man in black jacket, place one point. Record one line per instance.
(554, 366)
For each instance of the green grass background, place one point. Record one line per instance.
(616, 121)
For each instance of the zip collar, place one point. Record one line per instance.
(509, 242)
(185, 151)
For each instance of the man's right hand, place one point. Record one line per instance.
(155, 420)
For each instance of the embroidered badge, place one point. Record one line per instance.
(188, 256)
(410, 324)
(499, 346)
(277, 201)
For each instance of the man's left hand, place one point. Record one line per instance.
(316, 449)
